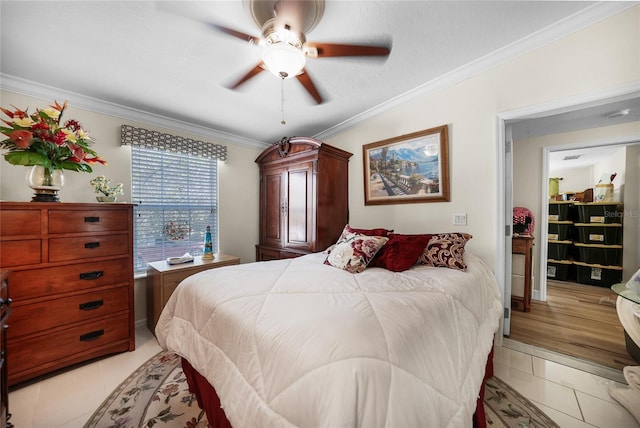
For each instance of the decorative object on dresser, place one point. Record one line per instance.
(71, 283)
(42, 141)
(411, 168)
(5, 310)
(163, 278)
(106, 191)
(304, 197)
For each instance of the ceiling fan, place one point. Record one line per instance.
(285, 46)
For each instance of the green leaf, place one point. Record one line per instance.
(28, 159)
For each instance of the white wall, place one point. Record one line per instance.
(614, 163)
(602, 56)
(574, 180)
(238, 180)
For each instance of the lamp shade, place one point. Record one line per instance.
(283, 60)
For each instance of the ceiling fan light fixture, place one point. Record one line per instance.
(283, 60)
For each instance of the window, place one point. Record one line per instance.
(176, 197)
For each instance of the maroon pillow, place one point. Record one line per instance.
(446, 250)
(400, 252)
(369, 232)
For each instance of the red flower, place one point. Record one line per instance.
(78, 152)
(21, 138)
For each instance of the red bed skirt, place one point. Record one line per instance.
(209, 401)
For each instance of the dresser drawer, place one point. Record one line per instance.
(72, 221)
(63, 249)
(20, 253)
(64, 344)
(43, 282)
(19, 222)
(60, 312)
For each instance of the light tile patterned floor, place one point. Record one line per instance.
(573, 398)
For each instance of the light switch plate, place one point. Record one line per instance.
(460, 219)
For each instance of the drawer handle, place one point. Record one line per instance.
(91, 245)
(5, 302)
(91, 336)
(91, 219)
(89, 306)
(92, 275)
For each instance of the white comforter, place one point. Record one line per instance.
(299, 343)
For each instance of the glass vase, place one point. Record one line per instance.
(46, 183)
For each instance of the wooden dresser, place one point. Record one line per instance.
(5, 310)
(304, 197)
(71, 283)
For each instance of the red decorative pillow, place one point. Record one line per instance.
(446, 250)
(400, 252)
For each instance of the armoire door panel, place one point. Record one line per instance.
(298, 207)
(273, 208)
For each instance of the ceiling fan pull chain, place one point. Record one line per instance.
(282, 103)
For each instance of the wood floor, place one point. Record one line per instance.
(577, 320)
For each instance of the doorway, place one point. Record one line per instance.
(535, 122)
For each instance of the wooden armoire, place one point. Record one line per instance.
(304, 197)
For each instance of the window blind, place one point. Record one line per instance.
(176, 197)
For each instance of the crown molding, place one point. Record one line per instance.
(37, 90)
(549, 34)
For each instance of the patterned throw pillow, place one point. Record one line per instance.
(446, 250)
(348, 231)
(355, 252)
(401, 252)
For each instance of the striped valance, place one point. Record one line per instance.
(132, 136)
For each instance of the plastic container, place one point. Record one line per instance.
(602, 276)
(559, 230)
(607, 255)
(560, 270)
(560, 210)
(598, 212)
(594, 233)
(558, 250)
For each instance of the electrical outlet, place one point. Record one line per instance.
(460, 219)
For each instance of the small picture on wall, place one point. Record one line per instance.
(412, 168)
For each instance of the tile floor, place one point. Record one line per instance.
(571, 397)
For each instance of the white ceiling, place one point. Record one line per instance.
(162, 58)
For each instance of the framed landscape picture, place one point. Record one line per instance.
(412, 168)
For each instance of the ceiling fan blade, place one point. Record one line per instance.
(255, 70)
(306, 81)
(239, 34)
(334, 49)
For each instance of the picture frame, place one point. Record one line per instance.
(409, 169)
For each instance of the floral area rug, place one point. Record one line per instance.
(157, 395)
(506, 408)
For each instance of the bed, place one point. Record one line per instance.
(297, 342)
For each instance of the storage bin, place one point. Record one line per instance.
(607, 233)
(560, 270)
(602, 276)
(560, 210)
(598, 212)
(608, 255)
(559, 230)
(558, 250)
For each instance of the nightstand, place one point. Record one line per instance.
(163, 278)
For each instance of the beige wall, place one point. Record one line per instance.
(603, 56)
(237, 180)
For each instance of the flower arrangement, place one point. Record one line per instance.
(41, 139)
(103, 185)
